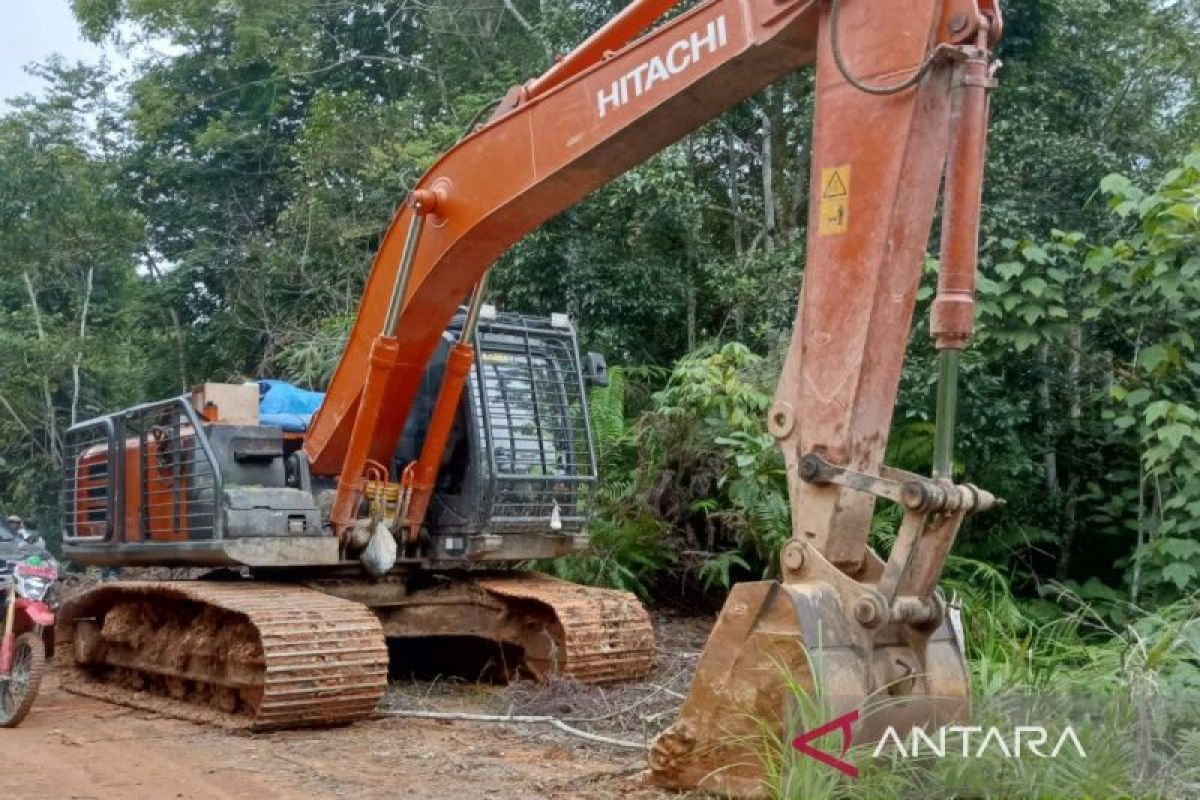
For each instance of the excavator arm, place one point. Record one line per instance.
(901, 101)
(599, 113)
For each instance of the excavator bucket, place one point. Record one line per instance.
(786, 658)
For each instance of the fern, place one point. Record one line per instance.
(607, 407)
(718, 570)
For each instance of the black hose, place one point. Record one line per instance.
(908, 83)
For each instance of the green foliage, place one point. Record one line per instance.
(628, 551)
(1106, 331)
(1155, 392)
(70, 300)
(707, 431)
(628, 555)
(693, 491)
(708, 466)
(718, 571)
(1125, 689)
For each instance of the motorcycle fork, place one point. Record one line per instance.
(6, 644)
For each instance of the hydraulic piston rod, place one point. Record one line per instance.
(952, 318)
(385, 351)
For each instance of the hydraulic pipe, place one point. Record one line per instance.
(423, 202)
(385, 352)
(400, 287)
(615, 34)
(952, 317)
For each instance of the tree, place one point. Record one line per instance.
(70, 344)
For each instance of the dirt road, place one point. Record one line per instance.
(73, 747)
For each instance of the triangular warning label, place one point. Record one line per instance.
(835, 186)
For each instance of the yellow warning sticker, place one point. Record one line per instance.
(834, 207)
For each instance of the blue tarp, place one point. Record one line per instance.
(287, 406)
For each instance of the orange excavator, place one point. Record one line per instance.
(453, 441)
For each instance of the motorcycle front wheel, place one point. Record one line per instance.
(20, 689)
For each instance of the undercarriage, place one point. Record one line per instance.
(266, 654)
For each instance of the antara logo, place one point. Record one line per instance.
(1022, 742)
(974, 741)
(679, 56)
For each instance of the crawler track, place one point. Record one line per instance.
(262, 656)
(594, 636)
(243, 655)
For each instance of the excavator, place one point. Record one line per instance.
(452, 444)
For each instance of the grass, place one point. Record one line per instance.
(1131, 692)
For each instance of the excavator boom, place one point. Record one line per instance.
(525, 166)
(877, 166)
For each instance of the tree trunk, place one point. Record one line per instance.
(798, 206)
(532, 31)
(1074, 411)
(768, 176)
(731, 184)
(779, 153)
(691, 312)
(1050, 454)
(52, 443)
(1135, 583)
(75, 367)
(176, 330)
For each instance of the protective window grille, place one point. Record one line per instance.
(178, 483)
(527, 396)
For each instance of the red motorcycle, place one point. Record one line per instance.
(27, 618)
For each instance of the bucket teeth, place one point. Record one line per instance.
(241, 655)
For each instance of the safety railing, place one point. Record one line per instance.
(161, 446)
(91, 481)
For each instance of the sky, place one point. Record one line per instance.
(34, 29)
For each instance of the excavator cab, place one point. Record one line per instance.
(520, 457)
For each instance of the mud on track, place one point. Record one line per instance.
(76, 747)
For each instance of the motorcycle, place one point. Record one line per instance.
(27, 618)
